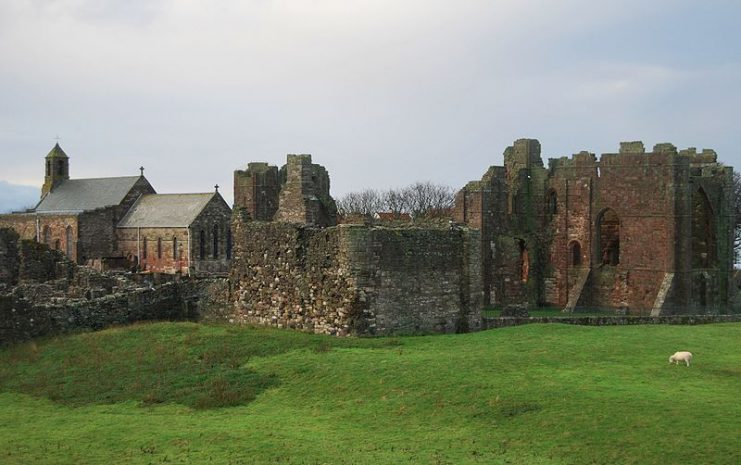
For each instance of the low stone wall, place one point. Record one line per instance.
(21, 320)
(503, 322)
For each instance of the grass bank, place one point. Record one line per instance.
(536, 394)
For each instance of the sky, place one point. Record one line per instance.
(382, 93)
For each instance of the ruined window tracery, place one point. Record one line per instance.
(552, 202)
(704, 249)
(608, 240)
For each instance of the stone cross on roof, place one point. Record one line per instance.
(141, 169)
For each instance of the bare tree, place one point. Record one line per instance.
(430, 200)
(365, 202)
(395, 201)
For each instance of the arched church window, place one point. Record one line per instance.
(216, 241)
(69, 241)
(202, 245)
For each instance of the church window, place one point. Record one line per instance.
(144, 249)
(216, 241)
(175, 248)
(69, 239)
(60, 167)
(48, 167)
(46, 236)
(228, 244)
(159, 247)
(202, 245)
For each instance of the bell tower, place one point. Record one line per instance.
(57, 169)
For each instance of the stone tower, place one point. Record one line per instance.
(57, 169)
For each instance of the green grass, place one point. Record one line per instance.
(550, 312)
(534, 394)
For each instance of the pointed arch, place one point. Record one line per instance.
(215, 237)
(551, 202)
(608, 237)
(575, 253)
(704, 245)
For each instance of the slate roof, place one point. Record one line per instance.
(165, 210)
(75, 195)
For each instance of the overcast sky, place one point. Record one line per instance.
(382, 93)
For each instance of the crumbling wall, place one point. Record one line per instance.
(354, 279)
(298, 193)
(9, 262)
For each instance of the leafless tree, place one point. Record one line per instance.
(365, 202)
(421, 200)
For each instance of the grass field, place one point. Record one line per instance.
(534, 394)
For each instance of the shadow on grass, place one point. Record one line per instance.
(202, 367)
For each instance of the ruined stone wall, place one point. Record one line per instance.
(304, 197)
(621, 232)
(9, 261)
(256, 189)
(354, 279)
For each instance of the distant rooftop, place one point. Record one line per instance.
(87, 194)
(165, 210)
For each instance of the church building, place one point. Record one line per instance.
(81, 217)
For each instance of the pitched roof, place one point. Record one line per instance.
(76, 195)
(165, 210)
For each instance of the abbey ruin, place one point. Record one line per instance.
(637, 232)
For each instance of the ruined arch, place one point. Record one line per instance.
(704, 245)
(551, 202)
(575, 253)
(608, 237)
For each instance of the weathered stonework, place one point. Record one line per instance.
(298, 193)
(641, 232)
(356, 279)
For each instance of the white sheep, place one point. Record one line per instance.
(683, 356)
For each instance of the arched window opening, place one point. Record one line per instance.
(702, 291)
(608, 228)
(48, 167)
(228, 244)
(60, 168)
(524, 261)
(575, 253)
(144, 248)
(68, 241)
(159, 247)
(552, 202)
(175, 255)
(704, 250)
(202, 245)
(46, 236)
(57, 244)
(216, 241)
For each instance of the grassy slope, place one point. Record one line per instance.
(537, 394)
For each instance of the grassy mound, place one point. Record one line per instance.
(536, 394)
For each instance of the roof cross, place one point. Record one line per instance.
(217, 188)
(141, 168)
